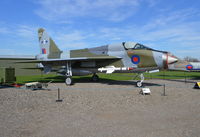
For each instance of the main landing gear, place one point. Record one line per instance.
(68, 80)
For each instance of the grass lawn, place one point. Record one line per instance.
(114, 76)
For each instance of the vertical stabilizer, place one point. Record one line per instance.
(48, 48)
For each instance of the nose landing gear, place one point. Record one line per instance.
(95, 77)
(139, 83)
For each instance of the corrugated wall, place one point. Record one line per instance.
(21, 69)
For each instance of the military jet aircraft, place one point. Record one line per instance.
(125, 57)
(182, 65)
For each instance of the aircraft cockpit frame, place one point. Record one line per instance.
(134, 46)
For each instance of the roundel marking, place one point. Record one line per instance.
(44, 41)
(135, 59)
(189, 67)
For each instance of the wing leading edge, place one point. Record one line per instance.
(73, 59)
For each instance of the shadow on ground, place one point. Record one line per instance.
(192, 77)
(60, 79)
(5, 86)
(185, 80)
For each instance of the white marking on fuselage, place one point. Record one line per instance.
(119, 51)
(158, 58)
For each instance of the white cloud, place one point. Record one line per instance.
(193, 52)
(4, 51)
(70, 40)
(152, 2)
(175, 30)
(4, 30)
(73, 36)
(66, 9)
(22, 31)
(19, 40)
(26, 31)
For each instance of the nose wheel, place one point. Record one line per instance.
(95, 78)
(139, 84)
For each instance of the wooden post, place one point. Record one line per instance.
(185, 77)
(164, 90)
(59, 100)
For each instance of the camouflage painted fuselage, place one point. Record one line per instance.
(122, 57)
(132, 58)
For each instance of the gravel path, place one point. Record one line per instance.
(114, 109)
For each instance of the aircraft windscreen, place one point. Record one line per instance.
(132, 45)
(129, 45)
(140, 46)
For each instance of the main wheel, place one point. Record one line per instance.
(95, 78)
(139, 84)
(68, 81)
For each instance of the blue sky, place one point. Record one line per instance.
(161, 24)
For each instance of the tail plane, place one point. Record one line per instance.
(48, 48)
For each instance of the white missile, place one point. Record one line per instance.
(111, 69)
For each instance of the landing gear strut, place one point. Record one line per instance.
(95, 77)
(139, 83)
(68, 80)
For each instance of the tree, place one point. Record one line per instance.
(191, 59)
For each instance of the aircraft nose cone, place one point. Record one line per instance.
(171, 59)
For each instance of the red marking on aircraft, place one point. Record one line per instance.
(130, 68)
(44, 51)
(189, 67)
(135, 59)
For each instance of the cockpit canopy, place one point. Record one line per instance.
(133, 45)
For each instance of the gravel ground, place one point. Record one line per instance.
(106, 109)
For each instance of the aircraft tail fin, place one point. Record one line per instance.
(48, 48)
